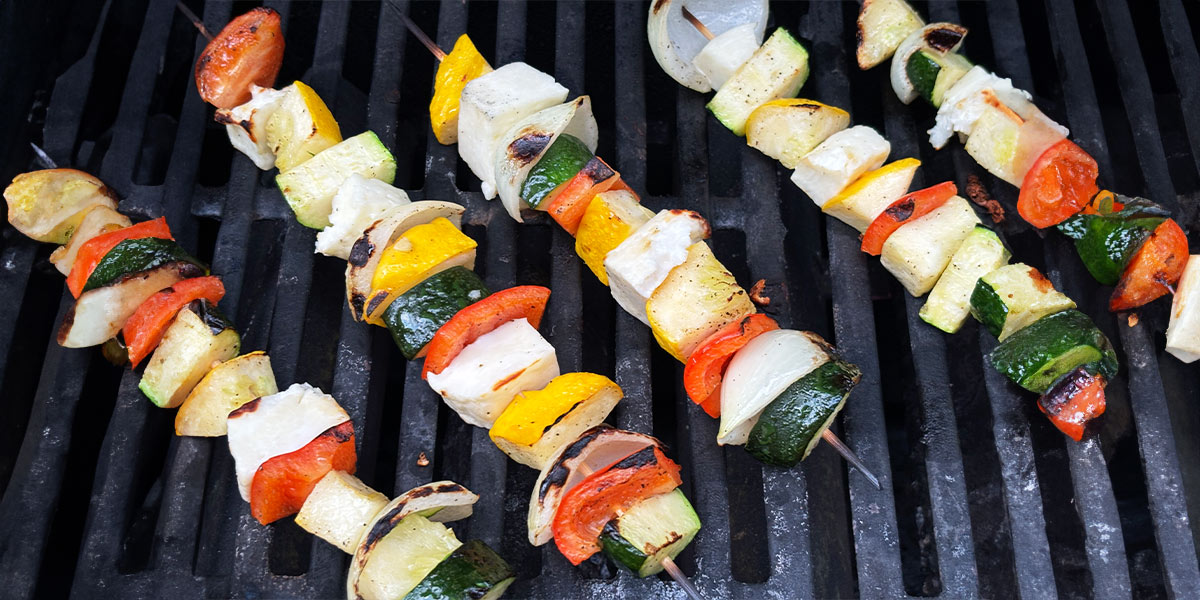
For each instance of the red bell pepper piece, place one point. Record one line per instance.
(1058, 185)
(525, 301)
(909, 208)
(568, 203)
(283, 483)
(593, 502)
(93, 250)
(1154, 269)
(706, 366)
(1074, 401)
(144, 330)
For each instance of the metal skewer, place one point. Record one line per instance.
(827, 435)
(187, 12)
(697, 23)
(43, 158)
(416, 30)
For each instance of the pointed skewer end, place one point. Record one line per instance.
(191, 16)
(850, 457)
(682, 580)
(412, 26)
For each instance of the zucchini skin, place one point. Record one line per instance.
(470, 572)
(922, 71)
(1038, 355)
(563, 160)
(788, 425)
(415, 316)
(134, 256)
(1106, 242)
(619, 549)
(988, 308)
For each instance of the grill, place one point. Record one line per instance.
(981, 496)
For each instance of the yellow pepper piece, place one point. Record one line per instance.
(531, 412)
(463, 64)
(419, 253)
(609, 219)
(300, 127)
(870, 194)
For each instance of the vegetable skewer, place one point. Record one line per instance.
(572, 224)
(931, 239)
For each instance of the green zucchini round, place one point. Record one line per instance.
(416, 315)
(562, 161)
(792, 424)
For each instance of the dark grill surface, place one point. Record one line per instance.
(981, 496)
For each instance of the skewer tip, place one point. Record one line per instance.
(673, 570)
(191, 16)
(850, 457)
(412, 26)
(43, 158)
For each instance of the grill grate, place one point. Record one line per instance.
(981, 497)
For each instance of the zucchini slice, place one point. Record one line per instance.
(1107, 241)
(134, 256)
(936, 39)
(1013, 296)
(778, 69)
(932, 73)
(309, 188)
(417, 314)
(199, 338)
(950, 301)
(882, 26)
(99, 314)
(918, 252)
(339, 509)
(565, 157)
(1183, 333)
(792, 424)
(472, 572)
(656, 528)
(1038, 355)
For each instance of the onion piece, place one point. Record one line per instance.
(675, 42)
(526, 142)
(762, 370)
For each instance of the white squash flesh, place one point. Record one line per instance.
(637, 266)
(918, 252)
(675, 42)
(359, 202)
(491, 104)
(723, 54)
(485, 376)
(96, 220)
(759, 372)
(278, 424)
(788, 129)
(225, 388)
(523, 145)
(1183, 334)
(838, 161)
(47, 205)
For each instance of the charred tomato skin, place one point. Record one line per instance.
(249, 50)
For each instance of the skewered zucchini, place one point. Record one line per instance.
(1038, 355)
(309, 187)
(199, 338)
(658, 527)
(792, 424)
(1011, 297)
(950, 301)
(777, 69)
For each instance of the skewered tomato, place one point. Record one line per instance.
(144, 330)
(706, 366)
(249, 50)
(1154, 270)
(525, 301)
(93, 250)
(603, 495)
(911, 207)
(1058, 185)
(282, 484)
(1074, 401)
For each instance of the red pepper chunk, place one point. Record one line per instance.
(706, 366)
(283, 483)
(1058, 185)
(521, 302)
(568, 203)
(93, 250)
(593, 502)
(1074, 401)
(144, 330)
(905, 210)
(1154, 269)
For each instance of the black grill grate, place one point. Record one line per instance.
(981, 496)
